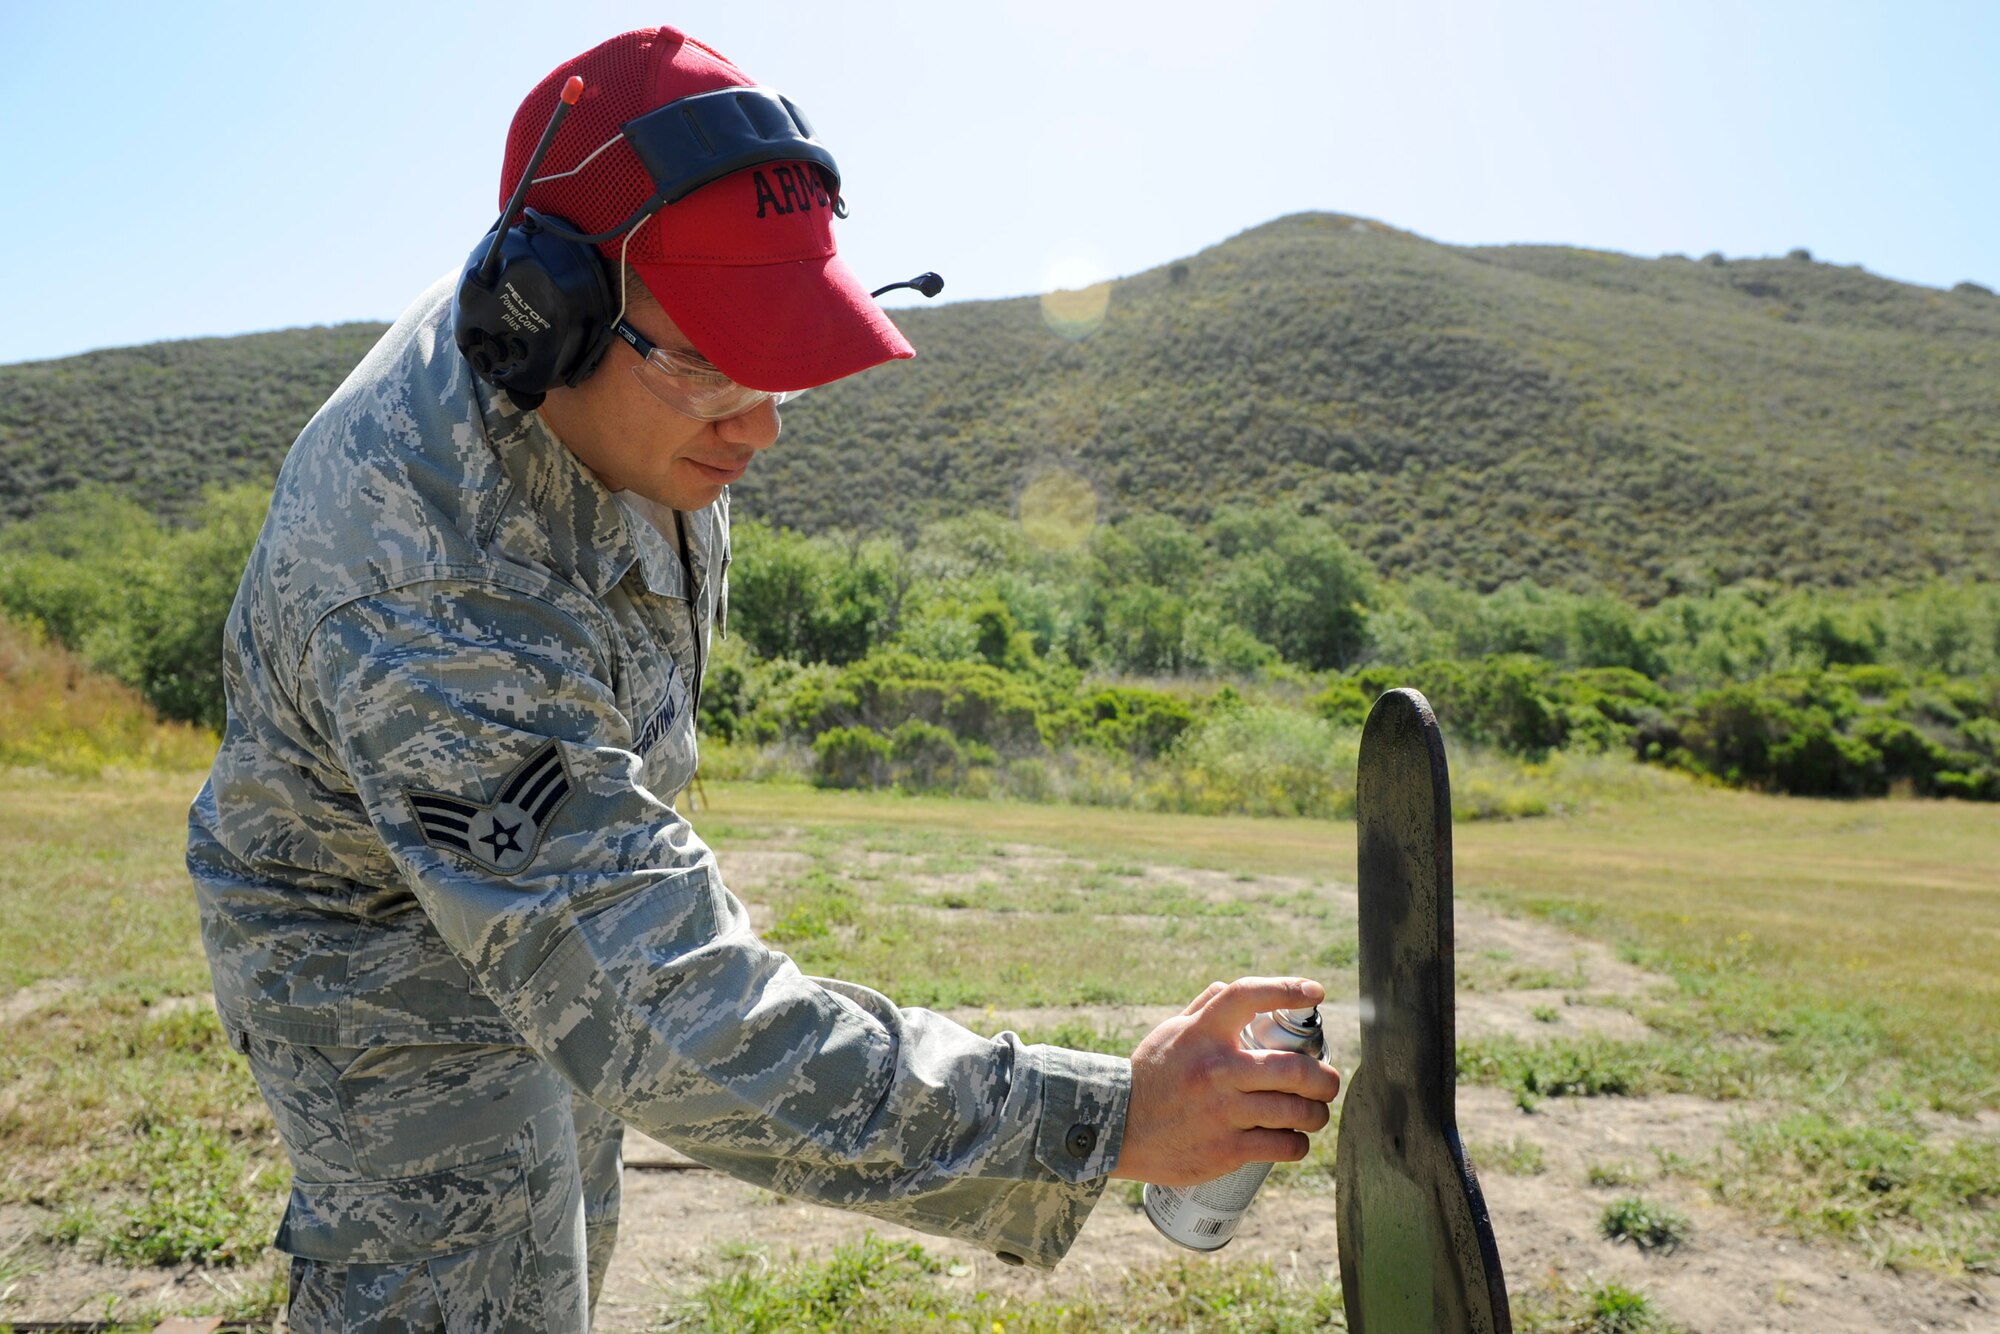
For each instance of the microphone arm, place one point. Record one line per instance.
(572, 92)
(927, 283)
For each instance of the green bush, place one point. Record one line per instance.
(851, 757)
(141, 601)
(1260, 760)
(817, 599)
(1511, 701)
(927, 758)
(983, 639)
(1294, 584)
(1127, 720)
(974, 701)
(1844, 731)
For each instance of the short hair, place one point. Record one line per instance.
(635, 291)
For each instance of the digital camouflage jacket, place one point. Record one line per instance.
(461, 686)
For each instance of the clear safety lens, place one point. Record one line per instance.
(706, 395)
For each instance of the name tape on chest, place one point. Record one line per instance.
(502, 835)
(657, 726)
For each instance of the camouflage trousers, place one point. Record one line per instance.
(451, 1188)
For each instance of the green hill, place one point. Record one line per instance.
(166, 421)
(1486, 413)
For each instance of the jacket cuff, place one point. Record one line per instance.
(1084, 1101)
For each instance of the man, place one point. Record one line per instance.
(451, 917)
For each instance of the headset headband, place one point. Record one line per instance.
(699, 139)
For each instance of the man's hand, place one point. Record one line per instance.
(1202, 1105)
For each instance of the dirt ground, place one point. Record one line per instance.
(683, 1224)
(1732, 1278)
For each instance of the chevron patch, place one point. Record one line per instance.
(502, 836)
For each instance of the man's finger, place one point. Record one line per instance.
(1207, 994)
(1273, 1146)
(1279, 1111)
(1287, 1072)
(1247, 997)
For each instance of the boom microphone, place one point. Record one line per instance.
(927, 283)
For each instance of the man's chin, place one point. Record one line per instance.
(683, 495)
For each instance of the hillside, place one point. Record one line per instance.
(1486, 413)
(165, 421)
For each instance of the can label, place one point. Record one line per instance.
(1204, 1217)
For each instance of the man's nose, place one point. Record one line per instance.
(756, 427)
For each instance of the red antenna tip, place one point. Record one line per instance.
(573, 90)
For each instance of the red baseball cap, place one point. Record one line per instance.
(745, 266)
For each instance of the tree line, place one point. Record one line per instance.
(1155, 654)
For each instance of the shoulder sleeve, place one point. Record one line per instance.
(483, 735)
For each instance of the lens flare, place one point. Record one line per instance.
(1077, 295)
(1058, 510)
(1076, 315)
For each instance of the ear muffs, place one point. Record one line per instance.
(543, 320)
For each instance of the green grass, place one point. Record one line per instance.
(1515, 1157)
(1613, 1174)
(1648, 1226)
(928, 918)
(1079, 1035)
(895, 1286)
(1905, 1196)
(1607, 1307)
(1855, 937)
(124, 1119)
(1594, 1066)
(1833, 955)
(204, 1201)
(1814, 948)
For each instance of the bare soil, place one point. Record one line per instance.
(682, 1225)
(1732, 1277)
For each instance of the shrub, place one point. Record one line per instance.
(1266, 761)
(927, 758)
(143, 602)
(974, 701)
(1840, 732)
(1294, 584)
(817, 599)
(1613, 1308)
(1125, 719)
(851, 757)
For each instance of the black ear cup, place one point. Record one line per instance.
(543, 320)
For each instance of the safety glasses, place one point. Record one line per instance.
(689, 384)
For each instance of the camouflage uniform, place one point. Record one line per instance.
(458, 927)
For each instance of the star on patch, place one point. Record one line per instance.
(502, 835)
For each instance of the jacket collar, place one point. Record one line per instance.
(592, 538)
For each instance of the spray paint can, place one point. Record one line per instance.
(1204, 1217)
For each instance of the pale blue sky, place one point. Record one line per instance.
(183, 169)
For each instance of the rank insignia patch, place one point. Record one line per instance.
(502, 836)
